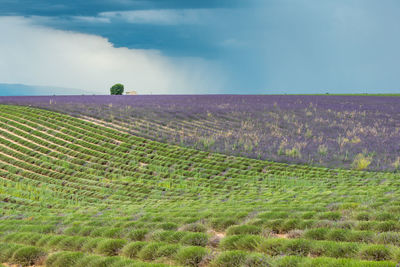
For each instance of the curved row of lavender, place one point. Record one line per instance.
(361, 132)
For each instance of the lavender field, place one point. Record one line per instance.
(359, 132)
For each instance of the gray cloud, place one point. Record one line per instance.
(274, 46)
(318, 46)
(43, 56)
(161, 16)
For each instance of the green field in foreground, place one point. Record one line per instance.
(74, 193)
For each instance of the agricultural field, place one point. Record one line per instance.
(212, 181)
(353, 131)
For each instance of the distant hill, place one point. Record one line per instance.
(7, 89)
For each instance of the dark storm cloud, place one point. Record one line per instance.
(93, 7)
(264, 46)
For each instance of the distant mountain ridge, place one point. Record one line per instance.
(8, 89)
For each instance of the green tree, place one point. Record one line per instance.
(117, 89)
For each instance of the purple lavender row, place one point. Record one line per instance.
(361, 132)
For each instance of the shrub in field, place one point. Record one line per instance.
(71, 243)
(191, 256)
(367, 225)
(345, 225)
(322, 224)
(87, 260)
(65, 258)
(191, 220)
(167, 250)
(375, 253)
(363, 216)
(110, 247)
(288, 225)
(105, 261)
(168, 226)
(53, 241)
(161, 235)
(257, 260)
(22, 237)
(128, 263)
(274, 215)
(112, 233)
(322, 262)
(149, 252)
(132, 249)
(316, 233)
(386, 216)
(50, 261)
(335, 249)
(246, 242)
(195, 239)
(308, 215)
(330, 215)
(338, 235)
(243, 229)
(234, 258)
(289, 261)
(97, 232)
(272, 246)
(175, 237)
(12, 237)
(300, 247)
(275, 225)
(295, 234)
(33, 238)
(361, 162)
(194, 227)
(348, 250)
(255, 221)
(221, 224)
(73, 230)
(168, 236)
(137, 234)
(361, 236)
(319, 262)
(7, 250)
(389, 238)
(387, 226)
(85, 231)
(27, 256)
(91, 244)
(25, 237)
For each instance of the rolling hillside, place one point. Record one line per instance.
(318, 130)
(75, 193)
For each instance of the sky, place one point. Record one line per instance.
(199, 47)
